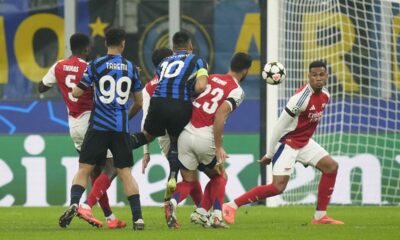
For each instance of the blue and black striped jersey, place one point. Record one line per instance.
(177, 76)
(114, 78)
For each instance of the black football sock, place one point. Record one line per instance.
(76, 193)
(136, 209)
(173, 161)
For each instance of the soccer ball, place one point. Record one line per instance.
(274, 73)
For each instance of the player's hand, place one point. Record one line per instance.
(145, 161)
(221, 155)
(264, 160)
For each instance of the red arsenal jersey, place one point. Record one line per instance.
(306, 107)
(220, 88)
(67, 73)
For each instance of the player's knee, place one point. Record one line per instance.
(332, 166)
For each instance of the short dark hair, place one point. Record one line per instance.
(115, 36)
(240, 61)
(159, 54)
(316, 64)
(180, 39)
(78, 42)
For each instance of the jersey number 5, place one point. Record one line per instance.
(108, 95)
(68, 81)
(209, 107)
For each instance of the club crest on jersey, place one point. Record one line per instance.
(155, 35)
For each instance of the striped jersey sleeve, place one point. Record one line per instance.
(298, 102)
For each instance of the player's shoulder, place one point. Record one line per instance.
(99, 60)
(303, 92)
(326, 92)
(301, 96)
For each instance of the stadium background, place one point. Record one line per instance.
(37, 158)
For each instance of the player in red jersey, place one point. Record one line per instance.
(66, 74)
(291, 141)
(196, 193)
(200, 143)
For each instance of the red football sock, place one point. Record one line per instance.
(325, 189)
(182, 191)
(99, 190)
(196, 193)
(218, 184)
(257, 193)
(206, 200)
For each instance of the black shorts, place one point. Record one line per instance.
(167, 115)
(95, 145)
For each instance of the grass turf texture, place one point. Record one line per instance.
(255, 222)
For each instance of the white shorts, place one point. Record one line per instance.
(285, 157)
(77, 130)
(195, 148)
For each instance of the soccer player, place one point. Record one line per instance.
(114, 78)
(181, 76)
(164, 142)
(291, 141)
(200, 143)
(67, 74)
(158, 55)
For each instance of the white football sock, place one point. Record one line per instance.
(111, 217)
(85, 206)
(233, 204)
(319, 214)
(201, 211)
(173, 201)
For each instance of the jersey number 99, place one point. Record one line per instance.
(114, 90)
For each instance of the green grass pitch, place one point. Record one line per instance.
(256, 222)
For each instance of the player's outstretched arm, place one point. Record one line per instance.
(219, 122)
(145, 161)
(48, 80)
(42, 88)
(201, 81)
(280, 129)
(137, 104)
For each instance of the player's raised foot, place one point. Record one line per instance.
(116, 223)
(228, 213)
(68, 215)
(201, 219)
(326, 220)
(87, 215)
(138, 225)
(172, 220)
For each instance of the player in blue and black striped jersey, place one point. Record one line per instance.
(181, 76)
(114, 78)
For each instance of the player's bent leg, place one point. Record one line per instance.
(329, 168)
(140, 138)
(99, 192)
(257, 193)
